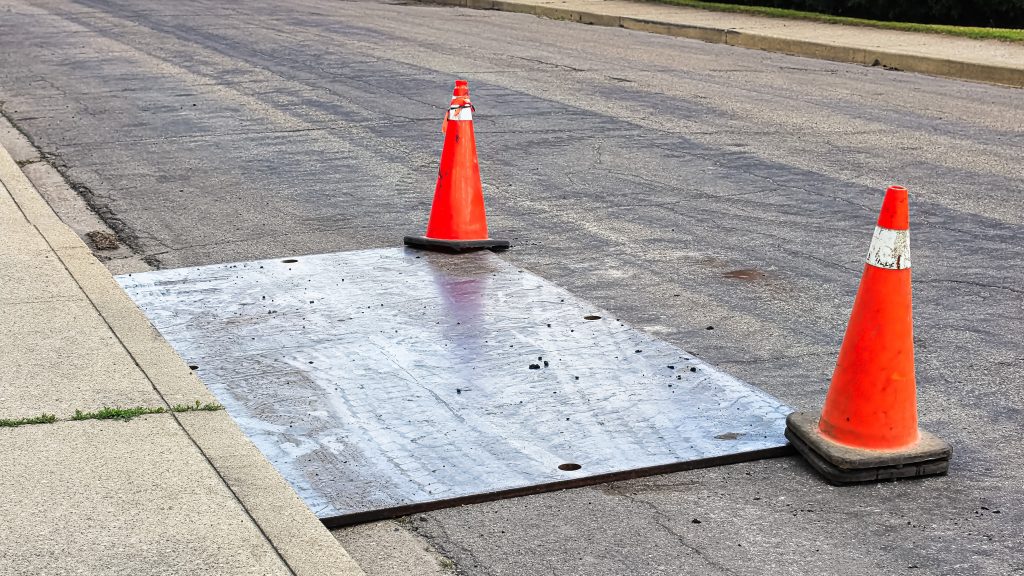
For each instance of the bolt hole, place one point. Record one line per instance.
(592, 317)
(290, 261)
(569, 467)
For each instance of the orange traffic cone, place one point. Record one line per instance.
(868, 428)
(458, 221)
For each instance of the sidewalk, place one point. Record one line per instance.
(935, 54)
(164, 493)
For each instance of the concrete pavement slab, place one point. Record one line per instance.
(32, 207)
(20, 149)
(295, 530)
(59, 357)
(33, 274)
(110, 497)
(18, 233)
(375, 545)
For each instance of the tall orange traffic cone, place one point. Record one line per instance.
(868, 428)
(458, 221)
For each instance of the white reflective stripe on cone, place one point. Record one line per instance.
(460, 113)
(890, 249)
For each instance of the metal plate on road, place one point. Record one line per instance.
(382, 382)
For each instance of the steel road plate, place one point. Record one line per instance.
(379, 382)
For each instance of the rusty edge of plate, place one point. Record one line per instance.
(406, 510)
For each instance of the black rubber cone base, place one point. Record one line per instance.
(841, 464)
(455, 246)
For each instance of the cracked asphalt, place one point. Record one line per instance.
(683, 186)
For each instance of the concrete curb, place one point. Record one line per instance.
(899, 61)
(299, 537)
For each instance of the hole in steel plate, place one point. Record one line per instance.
(290, 261)
(591, 317)
(569, 466)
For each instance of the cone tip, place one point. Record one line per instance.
(895, 213)
(461, 88)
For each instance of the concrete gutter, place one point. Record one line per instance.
(934, 54)
(169, 493)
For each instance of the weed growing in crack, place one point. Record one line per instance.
(15, 422)
(126, 414)
(108, 413)
(197, 407)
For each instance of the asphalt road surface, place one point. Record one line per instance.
(638, 171)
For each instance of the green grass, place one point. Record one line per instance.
(1005, 34)
(126, 414)
(107, 413)
(41, 419)
(208, 407)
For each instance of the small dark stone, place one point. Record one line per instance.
(693, 368)
(671, 367)
(534, 366)
(545, 363)
(694, 521)
(711, 327)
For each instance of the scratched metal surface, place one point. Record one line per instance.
(384, 378)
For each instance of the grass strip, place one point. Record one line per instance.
(977, 33)
(15, 422)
